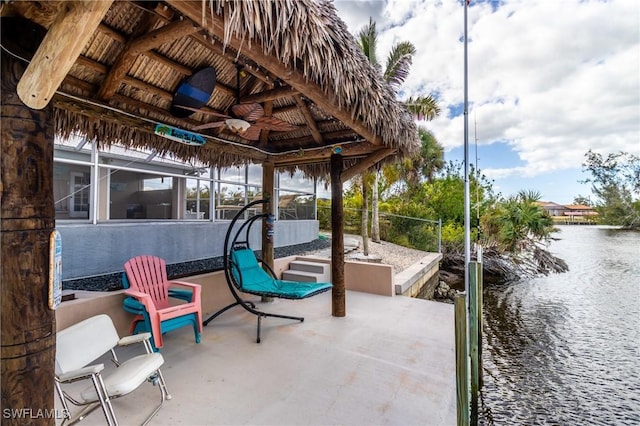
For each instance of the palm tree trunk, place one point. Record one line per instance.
(365, 218)
(375, 217)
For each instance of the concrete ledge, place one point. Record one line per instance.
(410, 281)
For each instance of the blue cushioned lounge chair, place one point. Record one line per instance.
(244, 273)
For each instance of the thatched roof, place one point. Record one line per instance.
(296, 58)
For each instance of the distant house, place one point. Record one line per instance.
(572, 213)
(551, 208)
(580, 213)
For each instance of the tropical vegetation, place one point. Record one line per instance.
(513, 231)
(395, 73)
(615, 183)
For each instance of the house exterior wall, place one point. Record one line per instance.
(89, 250)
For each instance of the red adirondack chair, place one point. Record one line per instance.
(147, 276)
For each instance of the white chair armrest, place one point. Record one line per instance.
(80, 373)
(135, 338)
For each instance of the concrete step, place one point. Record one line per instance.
(315, 267)
(302, 276)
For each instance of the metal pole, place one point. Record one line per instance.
(467, 206)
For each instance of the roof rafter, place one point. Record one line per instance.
(295, 78)
(311, 122)
(148, 41)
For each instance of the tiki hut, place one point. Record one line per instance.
(279, 83)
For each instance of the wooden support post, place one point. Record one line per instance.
(480, 320)
(268, 193)
(462, 360)
(474, 338)
(338, 308)
(28, 327)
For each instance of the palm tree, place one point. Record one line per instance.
(426, 163)
(395, 73)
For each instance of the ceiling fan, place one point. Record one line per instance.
(246, 120)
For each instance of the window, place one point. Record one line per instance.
(135, 195)
(71, 191)
(198, 199)
(138, 184)
(296, 197)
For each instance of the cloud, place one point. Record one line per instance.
(552, 79)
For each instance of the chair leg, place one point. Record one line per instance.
(158, 379)
(261, 315)
(196, 328)
(105, 401)
(226, 308)
(258, 336)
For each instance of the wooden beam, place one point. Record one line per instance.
(322, 155)
(162, 35)
(91, 64)
(366, 163)
(268, 112)
(229, 55)
(264, 134)
(153, 39)
(103, 69)
(182, 69)
(268, 95)
(113, 33)
(328, 137)
(311, 122)
(67, 36)
(292, 76)
(146, 87)
(285, 109)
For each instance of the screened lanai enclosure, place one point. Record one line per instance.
(278, 84)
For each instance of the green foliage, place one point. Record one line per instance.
(352, 207)
(425, 163)
(582, 200)
(324, 213)
(513, 224)
(453, 236)
(423, 107)
(410, 233)
(616, 184)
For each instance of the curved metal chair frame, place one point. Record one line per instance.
(78, 349)
(234, 278)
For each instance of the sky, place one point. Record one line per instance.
(548, 80)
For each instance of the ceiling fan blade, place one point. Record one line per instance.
(211, 125)
(252, 133)
(248, 112)
(274, 124)
(213, 113)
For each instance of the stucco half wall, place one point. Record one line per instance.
(359, 276)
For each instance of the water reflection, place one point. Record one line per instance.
(565, 349)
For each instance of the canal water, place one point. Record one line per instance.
(565, 349)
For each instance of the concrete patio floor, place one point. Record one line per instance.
(390, 361)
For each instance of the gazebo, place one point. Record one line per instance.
(278, 83)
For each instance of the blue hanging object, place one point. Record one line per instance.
(193, 92)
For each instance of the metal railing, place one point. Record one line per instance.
(413, 232)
